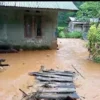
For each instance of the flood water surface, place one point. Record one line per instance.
(71, 52)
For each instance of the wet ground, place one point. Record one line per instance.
(71, 52)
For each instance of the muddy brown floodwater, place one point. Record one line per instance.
(71, 51)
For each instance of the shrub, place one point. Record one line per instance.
(60, 29)
(62, 35)
(94, 42)
(74, 34)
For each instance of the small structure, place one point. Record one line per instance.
(75, 25)
(31, 24)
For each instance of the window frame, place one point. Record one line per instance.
(26, 16)
(36, 18)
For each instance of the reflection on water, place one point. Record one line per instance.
(71, 51)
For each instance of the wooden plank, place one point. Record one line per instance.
(57, 71)
(57, 96)
(48, 75)
(51, 73)
(63, 73)
(56, 85)
(56, 90)
(68, 79)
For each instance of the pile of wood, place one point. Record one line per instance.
(54, 85)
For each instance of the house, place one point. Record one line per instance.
(31, 24)
(76, 25)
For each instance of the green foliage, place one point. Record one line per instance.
(60, 29)
(94, 42)
(65, 34)
(62, 35)
(74, 34)
(64, 16)
(88, 10)
(96, 59)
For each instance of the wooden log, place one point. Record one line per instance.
(68, 79)
(57, 96)
(56, 90)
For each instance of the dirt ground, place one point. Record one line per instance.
(71, 52)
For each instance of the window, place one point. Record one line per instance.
(28, 25)
(32, 24)
(38, 26)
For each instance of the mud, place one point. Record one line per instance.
(71, 51)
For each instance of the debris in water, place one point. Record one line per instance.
(53, 85)
(2, 65)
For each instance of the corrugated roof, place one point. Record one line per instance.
(72, 18)
(46, 5)
(94, 19)
(91, 19)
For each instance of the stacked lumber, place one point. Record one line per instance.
(53, 84)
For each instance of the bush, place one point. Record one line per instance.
(74, 34)
(60, 29)
(94, 42)
(62, 35)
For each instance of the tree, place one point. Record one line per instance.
(63, 16)
(94, 43)
(88, 10)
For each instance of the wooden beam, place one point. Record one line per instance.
(51, 73)
(56, 90)
(68, 79)
(57, 96)
(48, 75)
(58, 71)
(60, 85)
